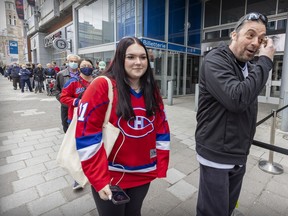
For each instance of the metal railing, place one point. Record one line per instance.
(269, 165)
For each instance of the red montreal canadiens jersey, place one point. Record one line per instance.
(144, 154)
(70, 93)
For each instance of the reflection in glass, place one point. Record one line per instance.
(212, 13)
(232, 12)
(125, 18)
(95, 23)
(282, 6)
(281, 24)
(176, 21)
(267, 7)
(154, 19)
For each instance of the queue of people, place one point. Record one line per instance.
(226, 118)
(30, 76)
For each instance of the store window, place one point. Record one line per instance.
(154, 19)
(212, 13)
(176, 21)
(125, 18)
(267, 7)
(232, 12)
(95, 23)
(282, 6)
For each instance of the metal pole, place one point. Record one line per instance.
(284, 123)
(284, 81)
(269, 166)
(170, 92)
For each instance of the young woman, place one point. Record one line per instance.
(141, 151)
(73, 90)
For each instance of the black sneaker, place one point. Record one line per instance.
(77, 186)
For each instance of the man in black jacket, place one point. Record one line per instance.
(227, 111)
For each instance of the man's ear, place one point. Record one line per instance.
(233, 35)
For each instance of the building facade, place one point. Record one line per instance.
(176, 33)
(12, 41)
(171, 30)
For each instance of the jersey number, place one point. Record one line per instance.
(83, 108)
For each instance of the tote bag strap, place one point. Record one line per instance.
(110, 96)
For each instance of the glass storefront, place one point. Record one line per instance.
(146, 19)
(95, 23)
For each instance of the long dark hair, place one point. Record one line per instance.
(148, 84)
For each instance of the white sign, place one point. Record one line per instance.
(60, 44)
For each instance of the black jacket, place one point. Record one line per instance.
(61, 78)
(227, 108)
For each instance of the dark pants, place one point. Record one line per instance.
(133, 208)
(38, 86)
(219, 190)
(64, 117)
(15, 81)
(23, 81)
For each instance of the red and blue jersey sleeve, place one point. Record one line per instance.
(91, 113)
(162, 142)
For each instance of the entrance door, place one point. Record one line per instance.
(271, 92)
(175, 71)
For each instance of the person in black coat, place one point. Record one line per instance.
(39, 78)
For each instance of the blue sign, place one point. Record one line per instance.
(175, 47)
(154, 44)
(193, 50)
(13, 47)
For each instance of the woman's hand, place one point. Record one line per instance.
(105, 193)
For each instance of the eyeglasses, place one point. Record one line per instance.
(254, 17)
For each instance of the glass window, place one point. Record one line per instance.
(125, 18)
(212, 35)
(232, 12)
(154, 19)
(282, 6)
(212, 13)
(226, 32)
(176, 21)
(10, 20)
(267, 7)
(139, 11)
(281, 24)
(194, 24)
(95, 23)
(99, 56)
(271, 25)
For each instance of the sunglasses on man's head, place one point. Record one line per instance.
(254, 17)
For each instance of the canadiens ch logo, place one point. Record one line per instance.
(139, 126)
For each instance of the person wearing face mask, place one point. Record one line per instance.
(73, 90)
(61, 78)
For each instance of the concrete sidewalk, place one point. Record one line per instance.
(33, 184)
